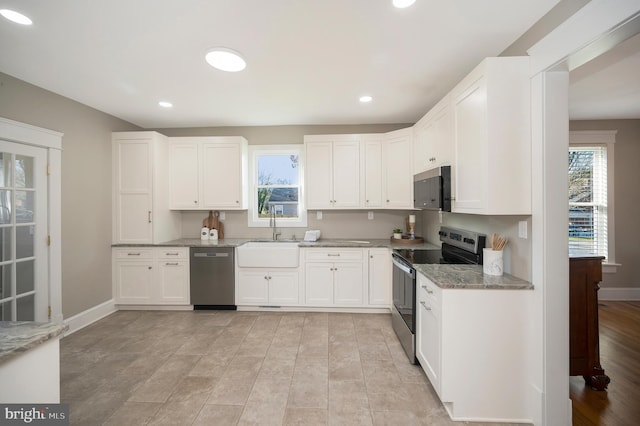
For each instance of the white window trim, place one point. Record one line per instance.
(252, 214)
(603, 138)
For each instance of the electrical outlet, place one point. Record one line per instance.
(222, 215)
(370, 215)
(522, 229)
(319, 215)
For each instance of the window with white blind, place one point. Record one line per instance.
(591, 193)
(588, 200)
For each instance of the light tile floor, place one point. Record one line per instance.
(241, 368)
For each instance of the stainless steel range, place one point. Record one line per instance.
(458, 247)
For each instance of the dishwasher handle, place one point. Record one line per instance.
(210, 254)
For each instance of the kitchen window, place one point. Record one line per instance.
(276, 177)
(591, 194)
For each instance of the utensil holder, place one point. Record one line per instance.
(492, 263)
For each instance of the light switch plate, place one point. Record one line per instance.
(370, 215)
(522, 229)
(319, 215)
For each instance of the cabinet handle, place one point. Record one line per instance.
(333, 254)
(172, 264)
(424, 287)
(149, 216)
(425, 306)
(387, 201)
(171, 254)
(195, 202)
(133, 254)
(149, 267)
(237, 202)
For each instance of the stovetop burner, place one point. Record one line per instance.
(458, 247)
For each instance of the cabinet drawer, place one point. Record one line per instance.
(172, 253)
(134, 253)
(428, 291)
(337, 255)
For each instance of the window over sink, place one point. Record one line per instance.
(276, 174)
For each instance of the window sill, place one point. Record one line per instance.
(610, 268)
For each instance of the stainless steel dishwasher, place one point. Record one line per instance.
(212, 278)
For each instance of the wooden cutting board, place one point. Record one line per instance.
(213, 222)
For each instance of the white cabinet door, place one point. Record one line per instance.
(133, 180)
(319, 284)
(172, 282)
(492, 139)
(440, 151)
(348, 287)
(346, 174)
(184, 182)
(373, 174)
(399, 169)
(423, 134)
(429, 329)
(380, 270)
(221, 176)
(133, 282)
(319, 175)
(283, 288)
(253, 287)
(471, 148)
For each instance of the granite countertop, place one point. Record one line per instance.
(470, 277)
(17, 337)
(235, 242)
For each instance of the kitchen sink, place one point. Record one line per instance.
(268, 254)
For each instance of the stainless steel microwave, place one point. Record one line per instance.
(432, 189)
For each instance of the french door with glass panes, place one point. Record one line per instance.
(23, 233)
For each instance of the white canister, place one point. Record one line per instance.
(492, 261)
(213, 234)
(204, 233)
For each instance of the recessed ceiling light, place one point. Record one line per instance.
(16, 17)
(365, 99)
(225, 59)
(165, 104)
(401, 4)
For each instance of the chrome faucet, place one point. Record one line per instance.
(273, 224)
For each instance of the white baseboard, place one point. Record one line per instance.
(619, 293)
(88, 317)
(154, 307)
(315, 309)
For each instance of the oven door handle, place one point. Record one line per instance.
(404, 268)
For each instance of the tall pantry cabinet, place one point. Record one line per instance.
(141, 214)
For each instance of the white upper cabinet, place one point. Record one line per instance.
(359, 171)
(433, 137)
(372, 173)
(398, 169)
(332, 171)
(140, 179)
(492, 140)
(208, 173)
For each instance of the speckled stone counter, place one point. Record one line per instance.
(470, 277)
(20, 336)
(235, 242)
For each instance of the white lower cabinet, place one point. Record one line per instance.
(380, 270)
(262, 287)
(472, 346)
(327, 277)
(151, 276)
(334, 277)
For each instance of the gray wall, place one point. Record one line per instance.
(626, 198)
(86, 185)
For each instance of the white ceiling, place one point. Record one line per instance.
(308, 61)
(608, 87)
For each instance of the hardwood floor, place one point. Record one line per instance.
(619, 405)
